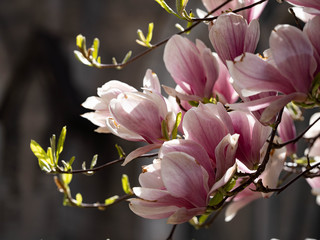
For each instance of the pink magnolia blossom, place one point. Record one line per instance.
(269, 179)
(209, 124)
(100, 104)
(314, 132)
(287, 131)
(315, 185)
(132, 115)
(248, 14)
(306, 9)
(179, 185)
(192, 66)
(253, 136)
(231, 36)
(288, 70)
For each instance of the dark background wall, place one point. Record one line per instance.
(41, 88)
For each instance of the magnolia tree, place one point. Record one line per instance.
(222, 137)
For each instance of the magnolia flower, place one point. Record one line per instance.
(248, 14)
(305, 9)
(314, 132)
(315, 185)
(178, 186)
(192, 66)
(288, 70)
(253, 136)
(287, 131)
(231, 36)
(100, 104)
(209, 124)
(269, 178)
(132, 115)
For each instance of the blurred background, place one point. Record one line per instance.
(42, 87)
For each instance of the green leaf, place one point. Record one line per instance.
(176, 125)
(150, 32)
(44, 166)
(66, 178)
(95, 47)
(81, 42)
(79, 199)
(315, 86)
(126, 184)
(127, 57)
(141, 35)
(43, 158)
(82, 58)
(164, 130)
(50, 155)
(181, 6)
(83, 166)
(203, 218)
(94, 161)
(194, 103)
(120, 151)
(61, 140)
(217, 198)
(165, 6)
(71, 161)
(230, 185)
(111, 200)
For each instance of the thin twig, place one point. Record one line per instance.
(297, 138)
(73, 202)
(262, 166)
(174, 227)
(197, 22)
(121, 159)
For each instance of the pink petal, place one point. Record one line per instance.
(306, 3)
(313, 33)
(151, 82)
(151, 210)
(183, 178)
(293, 55)
(235, 206)
(191, 148)
(139, 151)
(225, 154)
(227, 36)
(270, 175)
(182, 60)
(277, 105)
(263, 77)
(183, 215)
(252, 36)
(287, 131)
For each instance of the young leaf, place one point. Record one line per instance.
(95, 47)
(94, 161)
(81, 42)
(66, 178)
(127, 57)
(217, 198)
(126, 185)
(79, 199)
(176, 125)
(111, 200)
(61, 140)
(150, 32)
(82, 58)
(164, 130)
(43, 158)
(120, 151)
(181, 6)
